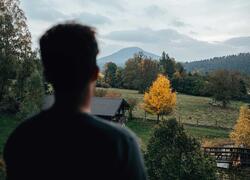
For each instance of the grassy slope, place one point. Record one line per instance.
(144, 129)
(191, 109)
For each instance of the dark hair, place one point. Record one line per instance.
(68, 53)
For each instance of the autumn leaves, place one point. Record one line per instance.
(160, 99)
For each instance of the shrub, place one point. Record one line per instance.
(100, 92)
(171, 154)
(2, 169)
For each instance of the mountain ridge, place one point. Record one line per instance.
(121, 56)
(238, 62)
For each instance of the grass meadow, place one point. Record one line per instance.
(214, 122)
(201, 120)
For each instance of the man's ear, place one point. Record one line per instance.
(95, 74)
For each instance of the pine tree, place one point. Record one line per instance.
(160, 99)
(241, 133)
(167, 65)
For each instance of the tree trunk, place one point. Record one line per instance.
(224, 104)
(130, 114)
(158, 118)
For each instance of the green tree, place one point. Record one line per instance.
(110, 73)
(132, 105)
(132, 75)
(119, 77)
(225, 85)
(22, 84)
(173, 155)
(148, 73)
(139, 72)
(167, 65)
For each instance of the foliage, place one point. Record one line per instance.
(160, 99)
(119, 77)
(171, 154)
(110, 73)
(132, 104)
(167, 65)
(100, 92)
(225, 85)
(241, 133)
(113, 94)
(19, 64)
(239, 62)
(140, 72)
(2, 169)
(132, 70)
(101, 81)
(190, 84)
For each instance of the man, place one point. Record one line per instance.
(66, 141)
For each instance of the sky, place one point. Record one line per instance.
(186, 29)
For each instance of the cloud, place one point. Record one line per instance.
(179, 23)
(145, 35)
(153, 25)
(154, 10)
(178, 45)
(239, 41)
(109, 4)
(90, 18)
(42, 10)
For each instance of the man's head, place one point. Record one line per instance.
(68, 54)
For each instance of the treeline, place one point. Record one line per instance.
(140, 71)
(240, 62)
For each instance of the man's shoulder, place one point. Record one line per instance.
(109, 128)
(80, 121)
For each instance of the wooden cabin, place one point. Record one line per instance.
(111, 109)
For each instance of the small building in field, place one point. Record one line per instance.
(112, 109)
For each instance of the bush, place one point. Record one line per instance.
(2, 169)
(31, 102)
(171, 154)
(113, 94)
(100, 92)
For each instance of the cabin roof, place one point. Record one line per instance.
(102, 106)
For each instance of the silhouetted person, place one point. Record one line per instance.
(66, 141)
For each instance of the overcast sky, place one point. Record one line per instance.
(186, 29)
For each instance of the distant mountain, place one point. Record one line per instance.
(240, 62)
(121, 56)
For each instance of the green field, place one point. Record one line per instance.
(189, 110)
(214, 122)
(192, 109)
(144, 130)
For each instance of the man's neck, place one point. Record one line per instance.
(70, 102)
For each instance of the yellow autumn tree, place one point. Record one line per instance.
(241, 133)
(160, 99)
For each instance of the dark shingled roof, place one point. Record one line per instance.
(100, 106)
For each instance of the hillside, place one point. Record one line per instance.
(121, 56)
(240, 62)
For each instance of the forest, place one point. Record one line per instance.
(239, 62)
